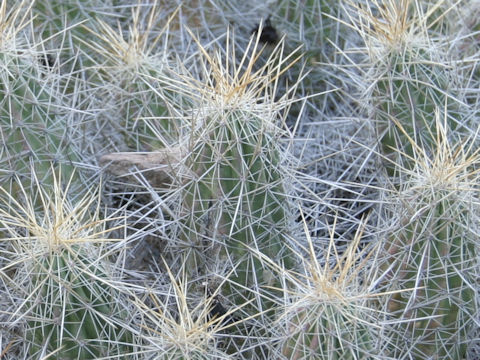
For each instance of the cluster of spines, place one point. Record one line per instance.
(234, 205)
(420, 117)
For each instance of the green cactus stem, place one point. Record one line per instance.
(237, 198)
(434, 254)
(34, 128)
(71, 305)
(408, 98)
(326, 311)
(419, 115)
(73, 313)
(126, 72)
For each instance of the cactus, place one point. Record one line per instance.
(73, 314)
(326, 311)
(217, 181)
(330, 331)
(410, 81)
(33, 125)
(418, 114)
(71, 307)
(181, 323)
(54, 17)
(410, 95)
(433, 252)
(125, 72)
(239, 185)
(314, 25)
(310, 23)
(233, 196)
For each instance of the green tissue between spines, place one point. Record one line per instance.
(73, 313)
(420, 120)
(71, 305)
(236, 198)
(34, 125)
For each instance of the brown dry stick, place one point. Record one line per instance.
(156, 167)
